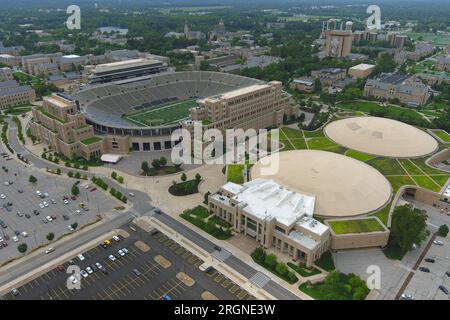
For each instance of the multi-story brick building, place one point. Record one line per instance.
(406, 88)
(60, 123)
(12, 94)
(273, 216)
(303, 84)
(329, 76)
(6, 74)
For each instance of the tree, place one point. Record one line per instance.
(317, 86)
(70, 174)
(198, 177)
(85, 167)
(443, 230)
(271, 260)
(205, 197)
(120, 179)
(162, 161)
(75, 191)
(22, 248)
(77, 175)
(114, 175)
(408, 227)
(281, 268)
(144, 167)
(58, 171)
(32, 179)
(74, 225)
(183, 177)
(156, 164)
(50, 236)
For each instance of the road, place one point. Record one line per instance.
(141, 206)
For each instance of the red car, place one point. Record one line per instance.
(73, 198)
(93, 189)
(60, 267)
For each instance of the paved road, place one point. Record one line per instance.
(141, 206)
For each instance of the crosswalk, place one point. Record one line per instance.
(259, 279)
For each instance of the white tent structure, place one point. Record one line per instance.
(111, 158)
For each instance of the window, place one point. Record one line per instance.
(157, 146)
(135, 146)
(146, 146)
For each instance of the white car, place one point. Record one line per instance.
(83, 273)
(81, 257)
(2, 196)
(49, 219)
(406, 296)
(70, 228)
(116, 238)
(15, 239)
(98, 265)
(66, 202)
(89, 270)
(78, 212)
(24, 234)
(45, 194)
(112, 258)
(438, 242)
(45, 204)
(121, 253)
(125, 250)
(87, 186)
(41, 206)
(38, 193)
(49, 250)
(131, 194)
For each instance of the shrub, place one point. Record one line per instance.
(32, 179)
(22, 248)
(77, 175)
(76, 165)
(120, 179)
(183, 177)
(70, 174)
(114, 175)
(74, 225)
(58, 171)
(85, 167)
(50, 236)
(443, 230)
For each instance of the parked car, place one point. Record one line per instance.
(65, 217)
(15, 292)
(20, 191)
(15, 239)
(424, 269)
(438, 242)
(73, 198)
(131, 194)
(49, 250)
(81, 257)
(27, 216)
(116, 238)
(121, 253)
(2, 196)
(98, 265)
(406, 296)
(36, 212)
(49, 219)
(136, 272)
(19, 214)
(60, 267)
(111, 257)
(443, 289)
(83, 273)
(431, 260)
(93, 189)
(89, 270)
(24, 234)
(125, 250)
(65, 201)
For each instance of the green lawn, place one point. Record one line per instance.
(313, 134)
(220, 222)
(426, 183)
(410, 167)
(91, 140)
(302, 270)
(383, 214)
(426, 168)
(442, 134)
(359, 155)
(200, 212)
(387, 166)
(398, 181)
(235, 173)
(438, 40)
(326, 261)
(355, 226)
(321, 143)
(440, 179)
(163, 115)
(292, 133)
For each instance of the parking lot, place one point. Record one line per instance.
(154, 268)
(425, 285)
(18, 200)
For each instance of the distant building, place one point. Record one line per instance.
(28, 62)
(71, 62)
(193, 35)
(443, 62)
(125, 69)
(12, 94)
(361, 70)
(329, 76)
(303, 84)
(406, 88)
(14, 51)
(9, 60)
(60, 124)
(275, 217)
(45, 69)
(338, 43)
(6, 74)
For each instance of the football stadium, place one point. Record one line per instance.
(140, 114)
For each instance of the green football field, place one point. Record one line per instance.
(163, 115)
